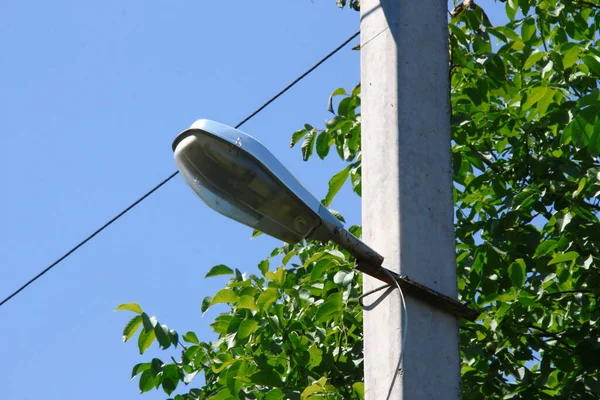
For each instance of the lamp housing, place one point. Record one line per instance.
(237, 176)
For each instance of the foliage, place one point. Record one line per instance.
(525, 157)
(526, 141)
(291, 332)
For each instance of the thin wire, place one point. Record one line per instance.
(404, 332)
(405, 320)
(67, 254)
(298, 79)
(155, 188)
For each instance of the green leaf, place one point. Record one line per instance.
(191, 337)
(168, 385)
(224, 394)
(344, 107)
(331, 308)
(337, 215)
(188, 378)
(145, 339)
(516, 272)
(275, 394)
(564, 363)
(288, 257)
(246, 328)
(247, 302)
(323, 144)
(569, 256)
(277, 276)
(191, 352)
(545, 101)
(174, 336)
(549, 67)
(224, 296)
(545, 247)
(528, 29)
(534, 95)
(335, 184)
(316, 356)
(147, 381)
(593, 63)
(321, 267)
(156, 366)
(308, 144)
(263, 266)
(582, 126)
(130, 307)
(139, 368)
(131, 327)
(358, 389)
(206, 303)
(343, 278)
(337, 92)
(266, 377)
(162, 336)
(570, 55)
(521, 199)
(563, 220)
(495, 68)
(318, 389)
(219, 270)
(267, 298)
(296, 136)
(311, 390)
(533, 59)
(511, 7)
(149, 322)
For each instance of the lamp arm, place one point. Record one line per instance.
(356, 247)
(370, 262)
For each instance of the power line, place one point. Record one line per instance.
(87, 239)
(298, 79)
(155, 188)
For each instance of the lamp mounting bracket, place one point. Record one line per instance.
(420, 292)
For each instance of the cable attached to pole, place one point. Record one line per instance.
(155, 188)
(404, 320)
(404, 333)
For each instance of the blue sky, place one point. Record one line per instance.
(92, 95)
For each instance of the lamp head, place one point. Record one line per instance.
(234, 174)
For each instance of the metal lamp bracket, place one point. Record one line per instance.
(421, 292)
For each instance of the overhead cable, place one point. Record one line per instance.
(155, 188)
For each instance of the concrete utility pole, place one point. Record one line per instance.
(407, 195)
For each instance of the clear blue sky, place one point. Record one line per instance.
(92, 94)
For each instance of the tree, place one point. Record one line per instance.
(526, 140)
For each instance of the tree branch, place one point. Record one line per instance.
(491, 150)
(557, 336)
(581, 291)
(588, 4)
(461, 7)
(484, 159)
(542, 34)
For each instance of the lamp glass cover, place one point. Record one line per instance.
(234, 183)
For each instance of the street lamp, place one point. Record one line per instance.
(237, 176)
(234, 174)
